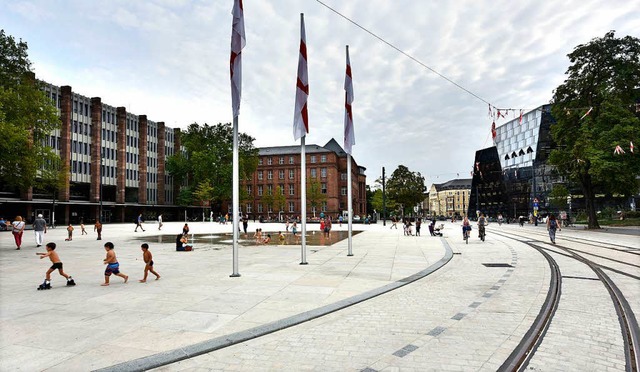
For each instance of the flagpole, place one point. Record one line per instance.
(303, 200)
(349, 202)
(236, 196)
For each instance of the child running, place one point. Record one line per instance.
(148, 260)
(83, 232)
(57, 265)
(113, 267)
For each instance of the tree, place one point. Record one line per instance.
(203, 194)
(27, 117)
(604, 78)
(405, 187)
(268, 200)
(279, 200)
(209, 157)
(315, 197)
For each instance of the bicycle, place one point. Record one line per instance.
(466, 232)
(481, 232)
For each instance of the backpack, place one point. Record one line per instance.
(554, 224)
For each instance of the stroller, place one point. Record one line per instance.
(435, 231)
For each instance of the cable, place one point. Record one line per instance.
(405, 54)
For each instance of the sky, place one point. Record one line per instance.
(169, 60)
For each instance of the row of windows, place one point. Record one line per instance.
(152, 177)
(292, 208)
(79, 106)
(291, 188)
(313, 174)
(78, 128)
(313, 159)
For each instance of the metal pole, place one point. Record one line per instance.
(101, 196)
(349, 202)
(236, 196)
(384, 200)
(303, 200)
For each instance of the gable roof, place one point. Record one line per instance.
(456, 184)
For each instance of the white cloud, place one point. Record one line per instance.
(170, 61)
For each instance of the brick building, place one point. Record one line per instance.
(280, 167)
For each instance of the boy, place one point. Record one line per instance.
(148, 260)
(98, 227)
(70, 232)
(57, 265)
(113, 267)
(281, 237)
(83, 231)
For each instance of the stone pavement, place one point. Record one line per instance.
(464, 316)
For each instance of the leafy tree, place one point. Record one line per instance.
(558, 196)
(209, 157)
(268, 199)
(604, 75)
(279, 199)
(315, 197)
(27, 117)
(406, 187)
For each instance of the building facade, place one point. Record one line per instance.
(116, 163)
(450, 198)
(279, 169)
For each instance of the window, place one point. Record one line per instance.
(313, 158)
(281, 189)
(324, 188)
(323, 172)
(324, 206)
(343, 176)
(260, 161)
(292, 190)
(343, 191)
(290, 159)
(281, 160)
(259, 208)
(323, 159)
(270, 189)
(292, 207)
(248, 208)
(269, 175)
(281, 174)
(249, 189)
(260, 175)
(291, 174)
(314, 173)
(259, 190)
(269, 161)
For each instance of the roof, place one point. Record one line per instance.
(457, 184)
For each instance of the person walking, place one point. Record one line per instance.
(418, 225)
(113, 267)
(552, 226)
(159, 221)
(39, 228)
(17, 229)
(98, 227)
(139, 223)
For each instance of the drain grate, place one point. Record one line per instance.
(497, 265)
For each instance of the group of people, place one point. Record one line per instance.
(40, 228)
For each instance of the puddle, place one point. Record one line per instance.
(313, 238)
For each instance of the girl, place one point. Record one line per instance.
(17, 230)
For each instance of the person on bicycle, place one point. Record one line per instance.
(466, 226)
(482, 222)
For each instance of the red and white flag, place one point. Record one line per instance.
(238, 42)
(520, 121)
(493, 130)
(300, 116)
(618, 150)
(349, 134)
(587, 113)
(631, 146)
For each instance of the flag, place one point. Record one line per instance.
(493, 131)
(238, 42)
(500, 114)
(349, 134)
(631, 146)
(618, 150)
(520, 121)
(300, 116)
(587, 113)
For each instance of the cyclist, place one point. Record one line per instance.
(482, 222)
(466, 227)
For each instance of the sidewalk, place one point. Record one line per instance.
(89, 326)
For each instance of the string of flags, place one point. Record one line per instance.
(619, 151)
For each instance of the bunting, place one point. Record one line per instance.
(587, 113)
(618, 150)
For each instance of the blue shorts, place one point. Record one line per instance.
(112, 268)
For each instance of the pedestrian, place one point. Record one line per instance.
(185, 229)
(394, 222)
(418, 225)
(113, 267)
(281, 237)
(139, 223)
(340, 219)
(83, 231)
(17, 230)
(160, 221)
(148, 260)
(69, 233)
(57, 265)
(327, 227)
(552, 226)
(98, 227)
(40, 228)
(245, 223)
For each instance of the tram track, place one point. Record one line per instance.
(522, 354)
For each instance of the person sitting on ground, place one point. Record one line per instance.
(267, 240)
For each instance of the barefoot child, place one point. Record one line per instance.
(148, 260)
(70, 232)
(112, 265)
(83, 232)
(57, 265)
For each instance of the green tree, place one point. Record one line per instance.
(558, 196)
(315, 197)
(27, 117)
(279, 199)
(268, 200)
(604, 76)
(406, 188)
(209, 156)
